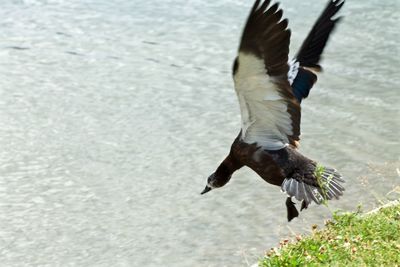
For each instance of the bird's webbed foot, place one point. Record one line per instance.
(291, 209)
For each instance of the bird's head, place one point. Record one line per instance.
(218, 179)
(211, 181)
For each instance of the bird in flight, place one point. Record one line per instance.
(270, 90)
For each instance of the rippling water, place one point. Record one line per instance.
(113, 113)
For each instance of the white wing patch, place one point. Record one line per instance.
(265, 119)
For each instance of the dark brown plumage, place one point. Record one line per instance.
(270, 92)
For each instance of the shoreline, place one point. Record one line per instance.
(351, 238)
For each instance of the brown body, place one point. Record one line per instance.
(286, 167)
(272, 166)
(256, 159)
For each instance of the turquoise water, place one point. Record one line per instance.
(114, 113)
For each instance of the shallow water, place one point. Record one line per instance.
(113, 113)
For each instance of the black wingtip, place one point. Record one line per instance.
(310, 52)
(339, 3)
(255, 6)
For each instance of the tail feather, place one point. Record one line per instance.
(306, 198)
(327, 186)
(329, 180)
(336, 191)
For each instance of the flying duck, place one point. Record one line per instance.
(270, 90)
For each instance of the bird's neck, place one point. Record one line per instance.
(229, 165)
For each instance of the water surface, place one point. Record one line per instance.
(114, 113)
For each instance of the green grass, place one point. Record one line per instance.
(351, 239)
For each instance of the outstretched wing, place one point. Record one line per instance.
(310, 52)
(307, 60)
(270, 112)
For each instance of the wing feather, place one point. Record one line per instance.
(270, 112)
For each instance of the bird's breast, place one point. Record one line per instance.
(259, 160)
